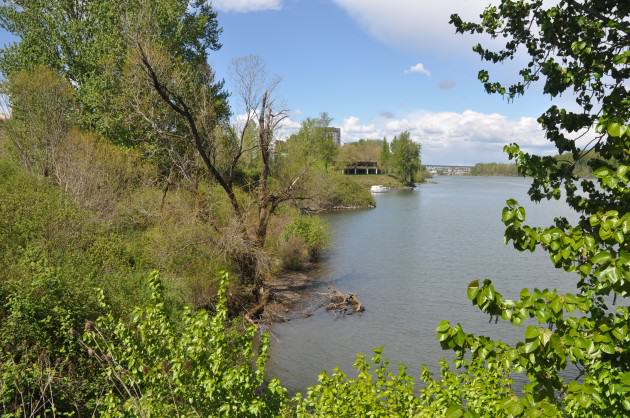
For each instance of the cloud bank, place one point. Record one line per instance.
(454, 138)
(466, 137)
(413, 23)
(244, 6)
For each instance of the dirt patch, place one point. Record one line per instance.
(294, 295)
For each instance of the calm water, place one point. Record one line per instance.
(409, 261)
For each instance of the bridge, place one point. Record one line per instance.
(449, 170)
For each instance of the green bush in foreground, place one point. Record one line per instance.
(481, 390)
(191, 365)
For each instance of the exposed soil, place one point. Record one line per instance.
(295, 295)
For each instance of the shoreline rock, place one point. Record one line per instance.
(298, 294)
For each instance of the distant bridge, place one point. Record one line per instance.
(449, 170)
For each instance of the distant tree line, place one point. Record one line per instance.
(579, 168)
(494, 169)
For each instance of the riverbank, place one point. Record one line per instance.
(299, 294)
(369, 180)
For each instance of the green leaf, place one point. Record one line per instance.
(614, 129)
(442, 327)
(601, 257)
(531, 332)
(531, 346)
(454, 411)
(585, 269)
(473, 289)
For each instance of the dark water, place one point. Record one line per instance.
(409, 261)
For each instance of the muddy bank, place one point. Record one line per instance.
(298, 294)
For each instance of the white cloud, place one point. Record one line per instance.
(247, 5)
(418, 68)
(287, 128)
(414, 23)
(451, 137)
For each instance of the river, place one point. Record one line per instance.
(409, 260)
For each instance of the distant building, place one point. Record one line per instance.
(363, 167)
(334, 134)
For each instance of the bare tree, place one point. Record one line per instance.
(185, 90)
(256, 94)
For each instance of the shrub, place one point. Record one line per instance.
(345, 192)
(35, 131)
(96, 173)
(312, 230)
(191, 365)
(293, 252)
(477, 390)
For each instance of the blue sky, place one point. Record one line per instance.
(379, 67)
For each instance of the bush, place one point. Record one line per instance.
(52, 257)
(480, 389)
(293, 253)
(344, 192)
(98, 174)
(42, 105)
(312, 230)
(191, 365)
(41, 362)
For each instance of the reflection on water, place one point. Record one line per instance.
(409, 261)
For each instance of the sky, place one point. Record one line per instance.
(379, 67)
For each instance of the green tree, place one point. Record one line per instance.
(85, 42)
(327, 148)
(386, 155)
(315, 141)
(35, 131)
(405, 159)
(578, 48)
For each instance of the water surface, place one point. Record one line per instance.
(409, 260)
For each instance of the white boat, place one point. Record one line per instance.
(379, 189)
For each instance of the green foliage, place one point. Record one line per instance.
(405, 159)
(312, 144)
(312, 230)
(82, 41)
(482, 389)
(345, 192)
(361, 150)
(51, 259)
(366, 181)
(308, 155)
(192, 365)
(35, 132)
(577, 47)
(386, 155)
